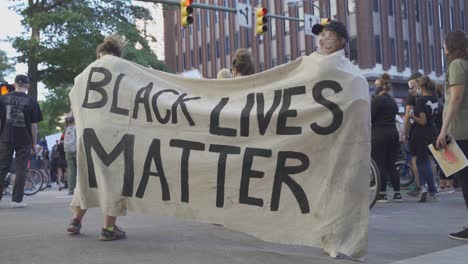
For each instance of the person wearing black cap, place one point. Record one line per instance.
(333, 36)
(19, 114)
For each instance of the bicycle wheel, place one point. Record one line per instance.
(406, 173)
(374, 184)
(33, 182)
(45, 179)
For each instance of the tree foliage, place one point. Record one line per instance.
(5, 66)
(61, 39)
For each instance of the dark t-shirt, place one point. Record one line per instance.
(411, 100)
(17, 112)
(424, 135)
(383, 111)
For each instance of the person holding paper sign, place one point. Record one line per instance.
(455, 120)
(424, 134)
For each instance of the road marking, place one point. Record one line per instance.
(457, 255)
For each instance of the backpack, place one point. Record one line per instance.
(55, 155)
(69, 140)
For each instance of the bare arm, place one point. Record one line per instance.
(453, 107)
(34, 134)
(421, 119)
(406, 120)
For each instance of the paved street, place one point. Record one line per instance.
(408, 233)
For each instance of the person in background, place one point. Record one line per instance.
(242, 64)
(224, 74)
(19, 114)
(424, 133)
(69, 145)
(385, 139)
(408, 125)
(61, 165)
(110, 231)
(455, 119)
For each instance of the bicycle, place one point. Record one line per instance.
(32, 185)
(374, 186)
(405, 168)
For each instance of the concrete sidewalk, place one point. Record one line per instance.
(399, 233)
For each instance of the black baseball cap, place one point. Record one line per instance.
(23, 79)
(415, 76)
(334, 25)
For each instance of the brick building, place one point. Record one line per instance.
(393, 36)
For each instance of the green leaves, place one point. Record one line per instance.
(5, 66)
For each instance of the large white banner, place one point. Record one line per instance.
(283, 155)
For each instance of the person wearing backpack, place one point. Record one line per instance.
(69, 145)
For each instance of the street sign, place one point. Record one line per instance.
(309, 22)
(244, 14)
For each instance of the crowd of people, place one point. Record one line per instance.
(431, 117)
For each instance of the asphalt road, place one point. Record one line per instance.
(407, 233)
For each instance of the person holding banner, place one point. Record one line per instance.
(385, 139)
(110, 47)
(242, 64)
(455, 120)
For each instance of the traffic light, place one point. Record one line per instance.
(6, 88)
(261, 20)
(186, 11)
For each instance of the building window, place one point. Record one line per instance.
(452, 17)
(390, 7)
(190, 30)
(216, 17)
(177, 62)
(441, 16)
(226, 45)
(378, 50)
(176, 31)
(217, 48)
(184, 62)
(420, 52)
(207, 17)
(433, 62)
(208, 51)
(248, 42)
(442, 55)
(406, 53)
(462, 20)
(375, 5)
(198, 23)
(199, 56)
(192, 58)
(225, 3)
(393, 54)
(418, 11)
(353, 49)
(404, 9)
(333, 10)
(182, 31)
(261, 66)
(351, 6)
(236, 40)
(274, 62)
(430, 12)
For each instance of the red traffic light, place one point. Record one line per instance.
(187, 2)
(261, 11)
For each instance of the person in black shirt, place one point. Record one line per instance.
(408, 124)
(19, 114)
(424, 133)
(385, 140)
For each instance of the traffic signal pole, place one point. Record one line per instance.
(219, 8)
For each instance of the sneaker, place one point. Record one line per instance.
(70, 192)
(433, 197)
(74, 227)
(423, 197)
(414, 192)
(382, 198)
(18, 205)
(115, 234)
(397, 198)
(462, 235)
